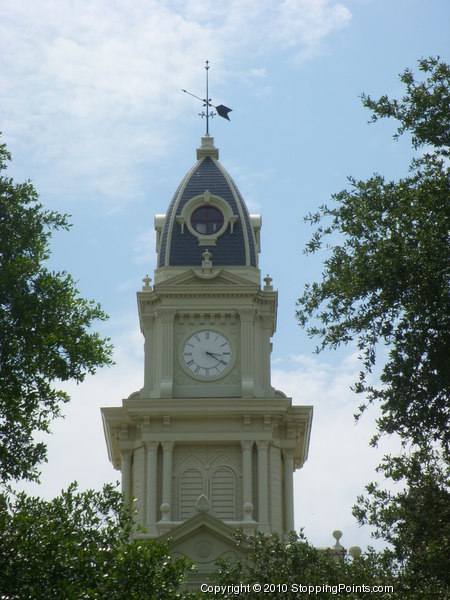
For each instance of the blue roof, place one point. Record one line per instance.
(179, 248)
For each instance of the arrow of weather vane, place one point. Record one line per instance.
(221, 110)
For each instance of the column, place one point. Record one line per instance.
(167, 481)
(247, 479)
(125, 458)
(288, 456)
(152, 453)
(263, 509)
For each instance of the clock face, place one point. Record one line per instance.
(207, 353)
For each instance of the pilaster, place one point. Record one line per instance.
(247, 317)
(125, 464)
(263, 508)
(167, 324)
(166, 508)
(266, 332)
(152, 450)
(247, 447)
(288, 456)
(149, 359)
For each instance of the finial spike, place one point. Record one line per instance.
(207, 98)
(221, 110)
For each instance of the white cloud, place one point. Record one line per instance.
(258, 73)
(303, 25)
(90, 87)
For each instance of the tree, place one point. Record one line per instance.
(81, 546)
(295, 569)
(386, 283)
(44, 328)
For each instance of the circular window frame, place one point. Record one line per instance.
(207, 199)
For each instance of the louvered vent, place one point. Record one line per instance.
(223, 492)
(191, 487)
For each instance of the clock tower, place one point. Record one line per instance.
(207, 445)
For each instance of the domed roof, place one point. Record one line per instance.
(208, 212)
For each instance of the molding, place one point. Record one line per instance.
(184, 218)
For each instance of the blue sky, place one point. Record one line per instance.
(92, 110)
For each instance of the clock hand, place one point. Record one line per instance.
(215, 355)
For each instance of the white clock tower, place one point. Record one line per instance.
(208, 445)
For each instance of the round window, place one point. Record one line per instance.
(207, 220)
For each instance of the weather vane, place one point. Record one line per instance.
(221, 110)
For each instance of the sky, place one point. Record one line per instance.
(91, 109)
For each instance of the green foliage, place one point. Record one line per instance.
(424, 110)
(295, 569)
(415, 521)
(44, 327)
(386, 283)
(80, 546)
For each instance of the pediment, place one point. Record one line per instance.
(199, 279)
(204, 539)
